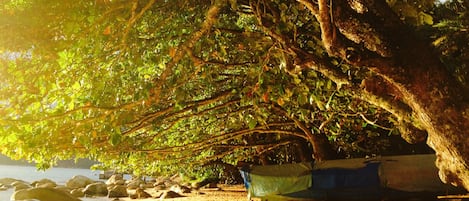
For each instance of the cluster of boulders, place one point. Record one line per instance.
(115, 187)
(43, 189)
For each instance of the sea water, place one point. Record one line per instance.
(30, 174)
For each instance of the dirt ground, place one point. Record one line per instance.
(225, 192)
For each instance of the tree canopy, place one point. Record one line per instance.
(153, 86)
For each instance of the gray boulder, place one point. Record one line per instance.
(20, 185)
(96, 189)
(44, 183)
(170, 194)
(160, 187)
(43, 194)
(164, 181)
(146, 185)
(140, 194)
(8, 181)
(78, 181)
(63, 188)
(180, 189)
(118, 191)
(116, 179)
(78, 192)
(3, 187)
(135, 183)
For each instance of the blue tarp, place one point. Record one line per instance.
(246, 179)
(334, 178)
(330, 178)
(360, 183)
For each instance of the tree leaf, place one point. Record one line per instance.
(115, 139)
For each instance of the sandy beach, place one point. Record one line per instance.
(61, 175)
(225, 192)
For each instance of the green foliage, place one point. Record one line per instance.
(415, 12)
(451, 38)
(146, 86)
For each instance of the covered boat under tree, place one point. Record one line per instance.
(378, 178)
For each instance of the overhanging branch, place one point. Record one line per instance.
(210, 19)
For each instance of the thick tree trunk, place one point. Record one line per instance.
(303, 151)
(322, 149)
(367, 33)
(423, 83)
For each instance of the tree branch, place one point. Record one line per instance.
(211, 141)
(134, 17)
(147, 119)
(210, 20)
(321, 147)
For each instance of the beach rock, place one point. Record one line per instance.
(180, 189)
(212, 186)
(118, 191)
(8, 181)
(163, 183)
(176, 178)
(44, 183)
(43, 194)
(160, 187)
(116, 179)
(20, 185)
(170, 194)
(146, 185)
(64, 188)
(78, 181)
(135, 183)
(158, 182)
(140, 194)
(78, 192)
(3, 187)
(207, 183)
(96, 189)
(158, 195)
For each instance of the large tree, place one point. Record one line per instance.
(172, 82)
(370, 34)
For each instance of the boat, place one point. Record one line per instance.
(377, 178)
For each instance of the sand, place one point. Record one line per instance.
(225, 192)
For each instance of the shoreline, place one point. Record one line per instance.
(226, 192)
(29, 174)
(221, 192)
